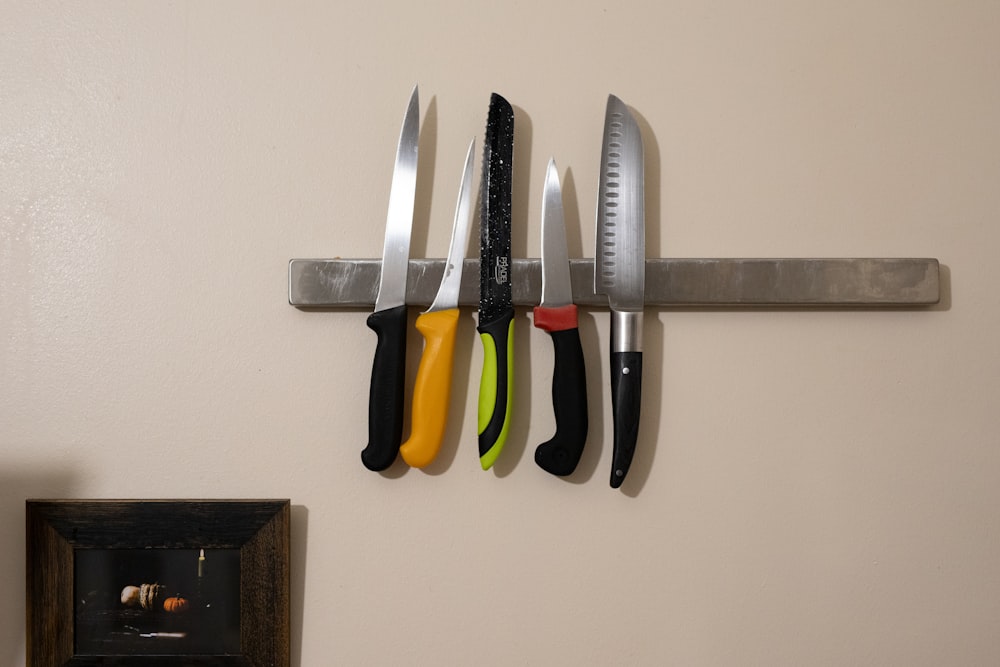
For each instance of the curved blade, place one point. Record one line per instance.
(451, 281)
(396, 251)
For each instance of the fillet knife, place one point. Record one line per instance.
(432, 390)
(619, 272)
(557, 315)
(496, 310)
(385, 397)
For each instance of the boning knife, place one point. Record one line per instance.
(432, 390)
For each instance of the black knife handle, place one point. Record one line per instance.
(385, 397)
(495, 386)
(561, 454)
(626, 392)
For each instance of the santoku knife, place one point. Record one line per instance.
(385, 398)
(619, 272)
(432, 390)
(496, 310)
(557, 315)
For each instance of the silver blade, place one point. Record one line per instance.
(620, 259)
(399, 221)
(556, 287)
(451, 281)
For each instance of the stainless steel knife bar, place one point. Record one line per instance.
(704, 283)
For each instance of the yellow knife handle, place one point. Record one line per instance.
(433, 387)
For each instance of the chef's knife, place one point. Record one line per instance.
(620, 270)
(496, 310)
(385, 398)
(432, 390)
(557, 315)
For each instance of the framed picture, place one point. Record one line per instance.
(157, 582)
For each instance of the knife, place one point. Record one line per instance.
(556, 314)
(496, 310)
(385, 397)
(619, 272)
(432, 390)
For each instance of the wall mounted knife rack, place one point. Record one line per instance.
(697, 283)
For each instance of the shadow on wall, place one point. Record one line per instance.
(16, 486)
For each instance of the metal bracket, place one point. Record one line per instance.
(864, 282)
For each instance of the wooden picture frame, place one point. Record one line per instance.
(248, 541)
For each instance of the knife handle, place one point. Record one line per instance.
(432, 390)
(495, 386)
(561, 454)
(385, 397)
(626, 391)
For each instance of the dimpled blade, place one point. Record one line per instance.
(620, 257)
(495, 211)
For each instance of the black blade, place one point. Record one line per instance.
(494, 215)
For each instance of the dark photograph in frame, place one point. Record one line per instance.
(157, 582)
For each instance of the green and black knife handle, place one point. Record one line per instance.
(561, 454)
(385, 398)
(496, 388)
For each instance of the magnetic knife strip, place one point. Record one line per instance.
(697, 283)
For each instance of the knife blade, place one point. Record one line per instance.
(432, 390)
(619, 272)
(496, 310)
(557, 315)
(385, 397)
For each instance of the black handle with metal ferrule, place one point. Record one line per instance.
(496, 386)
(626, 393)
(561, 454)
(385, 398)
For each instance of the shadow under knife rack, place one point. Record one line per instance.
(696, 283)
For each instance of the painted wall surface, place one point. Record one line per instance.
(811, 487)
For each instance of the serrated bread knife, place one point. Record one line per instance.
(496, 310)
(385, 397)
(432, 391)
(620, 270)
(557, 315)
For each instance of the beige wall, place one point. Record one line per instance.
(811, 488)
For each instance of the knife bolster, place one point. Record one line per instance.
(626, 331)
